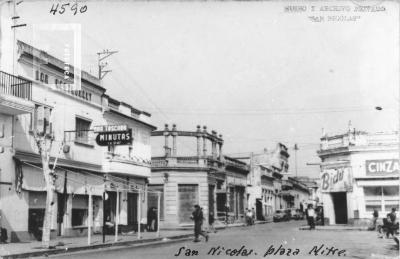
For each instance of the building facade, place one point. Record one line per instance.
(215, 182)
(36, 96)
(359, 174)
(266, 181)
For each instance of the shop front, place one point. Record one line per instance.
(337, 193)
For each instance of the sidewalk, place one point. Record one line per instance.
(336, 228)
(73, 244)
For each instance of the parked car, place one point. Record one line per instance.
(281, 215)
(296, 214)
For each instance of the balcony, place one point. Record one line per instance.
(125, 165)
(15, 94)
(186, 162)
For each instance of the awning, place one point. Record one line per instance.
(33, 158)
(286, 194)
(76, 182)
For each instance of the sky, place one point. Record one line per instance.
(249, 70)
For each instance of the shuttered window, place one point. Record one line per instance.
(188, 197)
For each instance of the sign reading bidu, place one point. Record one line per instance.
(382, 166)
(336, 180)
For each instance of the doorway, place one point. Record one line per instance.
(132, 209)
(259, 210)
(340, 206)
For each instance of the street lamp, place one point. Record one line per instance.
(379, 108)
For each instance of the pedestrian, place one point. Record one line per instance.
(375, 216)
(211, 221)
(197, 217)
(391, 223)
(248, 217)
(310, 214)
(253, 216)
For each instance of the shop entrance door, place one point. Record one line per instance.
(259, 210)
(340, 207)
(132, 208)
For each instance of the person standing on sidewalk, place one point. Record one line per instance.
(197, 217)
(310, 214)
(253, 216)
(375, 216)
(211, 220)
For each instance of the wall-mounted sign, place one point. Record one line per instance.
(110, 128)
(114, 138)
(336, 180)
(382, 166)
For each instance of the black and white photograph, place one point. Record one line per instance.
(199, 129)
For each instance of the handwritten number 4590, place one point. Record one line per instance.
(74, 8)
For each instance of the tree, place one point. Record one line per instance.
(44, 144)
(44, 141)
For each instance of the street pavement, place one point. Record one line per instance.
(272, 240)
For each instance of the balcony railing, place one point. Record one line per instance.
(15, 86)
(85, 137)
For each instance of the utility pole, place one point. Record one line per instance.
(101, 56)
(295, 157)
(15, 25)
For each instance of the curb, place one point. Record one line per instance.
(333, 229)
(66, 250)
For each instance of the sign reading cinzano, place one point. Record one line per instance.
(382, 166)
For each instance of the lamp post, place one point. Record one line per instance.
(380, 108)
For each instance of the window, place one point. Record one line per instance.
(130, 151)
(82, 128)
(79, 210)
(153, 198)
(40, 119)
(381, 198)
(79, 217)
(46, 79)
(37, 75)
(56, 81)
(41, 77)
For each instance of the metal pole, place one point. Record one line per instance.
(104, 211)
(139, 215)
(116, 217)
(158, 214)
(90, 216)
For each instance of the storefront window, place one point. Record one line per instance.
(390, 190)
(373, 191)
(153, 198)
(381, 198)
(79, 217)
(79, 210)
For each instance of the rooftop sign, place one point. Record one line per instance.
(382, 166)
(110, 128)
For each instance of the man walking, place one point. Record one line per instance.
(197, 217)
(310, 214)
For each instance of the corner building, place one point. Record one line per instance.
(359, 174)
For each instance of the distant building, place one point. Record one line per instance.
(314, 191)
(265, 181)
(359, 174)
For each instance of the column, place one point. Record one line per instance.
(174, 134)
(198, 136)
(204, 141)
(220, 147)
(166, 134)
(214, 146)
